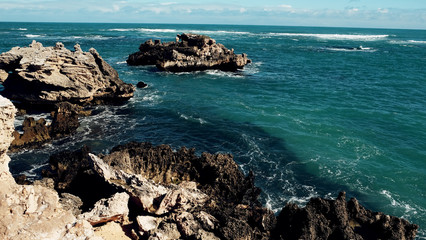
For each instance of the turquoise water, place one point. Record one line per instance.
(319, 110)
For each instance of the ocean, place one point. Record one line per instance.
(318, 111)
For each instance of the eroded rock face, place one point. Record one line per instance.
(31, 212)
(37, 132)
(38, 75)
(338, 219)
(190, 52)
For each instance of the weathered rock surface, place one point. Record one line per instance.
(31, 212)
(178, 195)
(114, 208)
(190, 52)
(338, 219)
(36, 133)
(38, 75)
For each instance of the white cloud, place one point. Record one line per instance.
(168, 3)
(383, 10)
(243, 10)
(285, 6)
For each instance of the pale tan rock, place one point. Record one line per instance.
(3, 75)
(114, 208)
(56, 74)
(31, 212)
(111, 231)
(147, 192)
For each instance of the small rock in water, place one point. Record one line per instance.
(141, 85)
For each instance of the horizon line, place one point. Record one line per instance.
(220, 24)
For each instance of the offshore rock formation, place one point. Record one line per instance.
(38, 75)
(31, 212)
(36, 133)
(190, 52)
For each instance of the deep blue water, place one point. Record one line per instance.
(319, 110)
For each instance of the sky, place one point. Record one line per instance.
(406, 14)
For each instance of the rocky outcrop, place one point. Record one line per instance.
(38, 75)
(179, 195)
(338, 219)
(36, 133)
(31, 212)
(190, 52)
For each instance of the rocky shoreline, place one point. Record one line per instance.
(141, 191)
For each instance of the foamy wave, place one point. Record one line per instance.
(354, 37)
(165, 30)
(22, 29)
(350, 49)
(224, 74)
(32, 172)
(193, 119)
(121, 62)
(32, 35)
(394, 201)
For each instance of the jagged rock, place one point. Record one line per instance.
(151, 197)
(114, 208)
(166, 231)
(191, 52)
(31, 212)
(65, 119)
(338, 219)
(48, 75)
(36, 133)
(217, 175)
(71, 202)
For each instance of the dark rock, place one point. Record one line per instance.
(36, 133)
(191, 52)
(218, 175)
(42, 76)
(141, 85)
(72, 173)
(338, 219)
(65, 119)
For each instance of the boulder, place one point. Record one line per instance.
(338, 219)
(191, 52)
(40, 75)
(114, 208)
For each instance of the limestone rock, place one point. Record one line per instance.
(191, 52)
(36, 133)
(47, 75)
(31, 212)
(151, 197)
(114, 208)
(147, 223)
(70, 202)
(3, 75)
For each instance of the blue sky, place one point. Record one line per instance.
(338, 13)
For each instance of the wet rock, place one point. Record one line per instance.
(48, 75)
(141, 85)
(191, 52)
(65, 119)
(36, 133)
(338, 219)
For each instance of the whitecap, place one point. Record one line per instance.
(354, 37)
(32, 35)
(22, 29)
(193, 119)
(121, 62)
